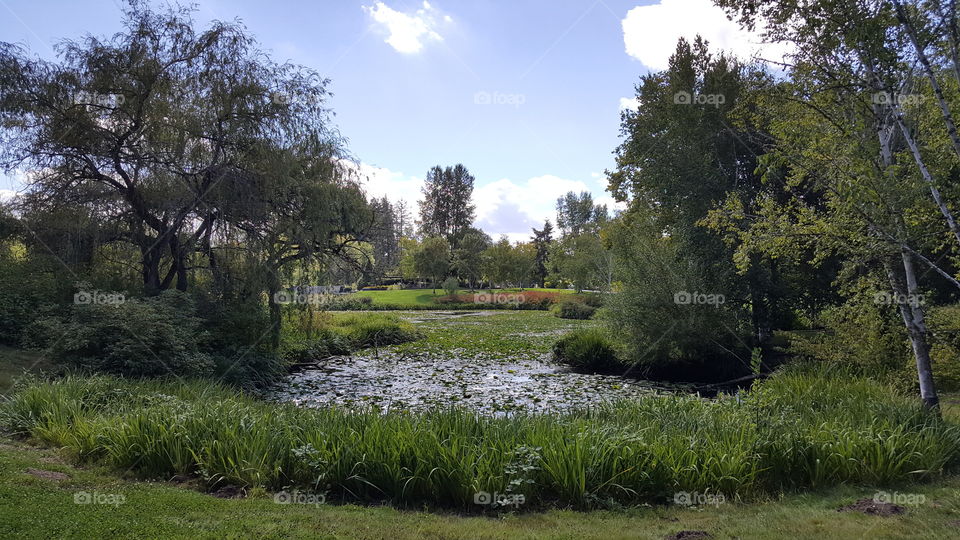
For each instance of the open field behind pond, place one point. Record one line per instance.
(429, 297)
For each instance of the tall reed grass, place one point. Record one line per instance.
(794, 431)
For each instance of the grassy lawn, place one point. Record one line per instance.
(45, 508)
(423, 297)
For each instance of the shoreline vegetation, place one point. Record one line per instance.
(793, 432)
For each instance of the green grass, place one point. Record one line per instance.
(500, 334)
(795, 432)
(427, 297)
(37, 508)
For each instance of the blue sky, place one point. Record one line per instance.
(527, 94)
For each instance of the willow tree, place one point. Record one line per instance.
(150, 127)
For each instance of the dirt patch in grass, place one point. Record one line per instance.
(47, 475)
(873, 508)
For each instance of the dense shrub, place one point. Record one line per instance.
(669, 314)
(450, 285)
(341, 334)
(588, 350)
(795, 431)
(860, 336)
(374, 329)
(324, 343)
(27, 290)
(944, 322)
(138, 337)
(573, 309)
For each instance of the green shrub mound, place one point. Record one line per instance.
(587, 350)
(792, 432)
(573, 309)
(345, 333)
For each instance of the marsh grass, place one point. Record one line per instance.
(793, 432)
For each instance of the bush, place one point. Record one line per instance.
(324, 343)
(859, 335)
(374, 329)
(587, 350)
(145, 337)
(341, 334)
(572, 309)
(944, 322)
(450, 285)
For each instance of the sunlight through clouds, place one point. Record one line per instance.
(407, 32)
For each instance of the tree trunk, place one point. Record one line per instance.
(911, 311)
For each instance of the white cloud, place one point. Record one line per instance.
(629, 103)
(6, 195)
(503, 207)
(650, 33)
(407, 33)
(507, 207)
(396, 186)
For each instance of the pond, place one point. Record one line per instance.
(492, 362)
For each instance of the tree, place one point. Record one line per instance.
(542, 240)
(467, 258)
(679, 159)
(853, 51)
(384, 236)
(523, 263)
(432, 260)
(497, 262)
(149, 128)
(445, 209)
(576, 213)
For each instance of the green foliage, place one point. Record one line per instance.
(432, 259)
(153, 336)
(374, 329)
(795, 431)
(573, 309)
(341, 334)
(664, 332)
(27, 290)
(589, 350)
(944, 322)
(859, 336)
(450, 285)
